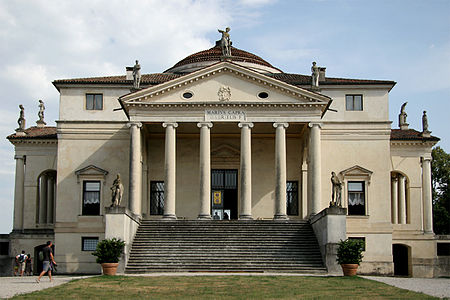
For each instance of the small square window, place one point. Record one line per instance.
(89, 243)
(354, 102)
(94, 101)
(356, 198)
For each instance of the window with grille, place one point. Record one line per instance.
(354, 102)
(157, 197)
(91, 198)
(356, 198)
(292, 198)
(94, 101)
(89, 243)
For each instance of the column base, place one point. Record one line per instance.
(245, 217)
(204, 217)
(169, 217)
(280, 217)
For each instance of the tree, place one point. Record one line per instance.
(440, 173)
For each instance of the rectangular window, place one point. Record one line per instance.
(94, 101)
(356, 198)
(91, 198)
(292, 198)
(156, 197)
(354, 102)
(89, 243)
(443, 249)
(4, 248)
(363, 239)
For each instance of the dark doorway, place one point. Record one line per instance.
(37, 262)
(224, 194)
(400, 254)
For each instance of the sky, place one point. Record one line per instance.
(407, 41)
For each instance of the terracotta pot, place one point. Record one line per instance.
(349, 269)
(109, 268)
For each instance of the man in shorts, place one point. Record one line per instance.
(46, 263)
(21, 259)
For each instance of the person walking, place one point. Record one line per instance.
(21, 259)
(48, 258)
(28, 265)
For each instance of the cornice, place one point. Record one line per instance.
(33, 142)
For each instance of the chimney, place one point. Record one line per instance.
(129, 71)
(322, 74)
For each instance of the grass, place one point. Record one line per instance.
(224, 287)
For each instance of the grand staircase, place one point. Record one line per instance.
(225, 246)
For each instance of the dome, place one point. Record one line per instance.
(214, 55)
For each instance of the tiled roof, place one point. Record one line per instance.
(146, 79)
(410, 135)
(34, 132)
(298, 79)
(215, 54)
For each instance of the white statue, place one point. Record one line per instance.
(225, 42)
(336, 190)
(21, 120)
(402, 117)
(116, 191)
(136, 75)
(41, 121)
(315, 75)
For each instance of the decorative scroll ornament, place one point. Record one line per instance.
(224, 93)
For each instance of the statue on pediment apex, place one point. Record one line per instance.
(315, 73)
(225, 42)
(402, 117)
(21, 120)
(41, 122)
(136, 75)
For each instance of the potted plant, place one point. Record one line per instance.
(349, 255)
(108, 254)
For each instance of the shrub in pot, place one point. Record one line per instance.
(108, 254)
(349, 255)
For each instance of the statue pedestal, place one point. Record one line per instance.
(40, 123)
(330, 226)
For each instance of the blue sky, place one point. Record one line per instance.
(407, 41)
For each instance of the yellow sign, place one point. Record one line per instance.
(217, 199)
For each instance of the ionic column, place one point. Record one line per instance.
(205, 170)
(394, 199)
(426, 196)
(43, 200)
(170, 171)
(315, 161)
(280, 170)
(19, 191)
(401, 200)
(134, 202)
(246, 171)
(50, 198)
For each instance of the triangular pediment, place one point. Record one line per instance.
(91, 170)
(225, 153)
(224, 82)
(356, 171)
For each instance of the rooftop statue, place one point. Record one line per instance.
(315, 75)
(402, 117)
(41, 121)
(21, 120)
(136, 75)
(336, 190)
(225, 42)
(116, 191)
(425, 131)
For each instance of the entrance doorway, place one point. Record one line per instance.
(401, 258)
(224, 194)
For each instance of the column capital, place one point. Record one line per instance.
(312, 124)
(276, 124)
(394, 178)
(245, 124)
(426, 158)
(170, 124)
(19, 156)
(204, 124)
(137, 124)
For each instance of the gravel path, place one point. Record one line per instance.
(11, 286)
(438, 287)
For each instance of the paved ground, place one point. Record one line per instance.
(10, 286)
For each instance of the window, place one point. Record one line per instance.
(89, 243)
(94, 101)
(292, 198)
(443, 249)
(353, 102)
(4, 248)
(263, 95)
(91, 198)
(156, 197)
(356, 198)
(188, 95)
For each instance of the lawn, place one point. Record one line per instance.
(224, 287)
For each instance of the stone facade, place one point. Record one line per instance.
(271, 128)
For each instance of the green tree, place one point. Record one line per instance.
(440, 170)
